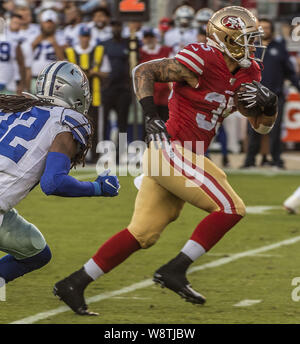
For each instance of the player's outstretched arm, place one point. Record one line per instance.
(162, 70)
(56, 181)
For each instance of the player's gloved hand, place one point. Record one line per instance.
(106, 186)
(156, 130)
(258, 95)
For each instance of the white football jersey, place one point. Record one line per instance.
(44, 54)
(25, 139)
(7, 63)
(100, 35)
(30, 33)
(177, 38)
(71, 34)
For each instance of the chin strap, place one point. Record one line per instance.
(244, 62)
(29, 95)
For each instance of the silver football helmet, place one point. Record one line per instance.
(184, 16)
(202, 16)
(64, 84)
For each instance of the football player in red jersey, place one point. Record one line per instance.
(205, 78)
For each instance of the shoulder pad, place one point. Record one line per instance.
(193, 56)
(79, 125)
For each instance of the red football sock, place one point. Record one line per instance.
(115, 250)
(211, 229)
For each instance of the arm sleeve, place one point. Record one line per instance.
(56, 181)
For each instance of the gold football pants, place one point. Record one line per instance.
(174, 176)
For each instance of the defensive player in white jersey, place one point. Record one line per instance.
(41, 139)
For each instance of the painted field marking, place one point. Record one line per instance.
(254, 255)
(247, 303)
(262, 209)
(148, 282)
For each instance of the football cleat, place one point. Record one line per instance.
(71, 291)
(292, 204)
(177, 282)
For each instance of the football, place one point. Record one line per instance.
(254, 111)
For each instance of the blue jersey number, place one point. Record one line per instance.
(4, 51)
(47, 49)
(32, 123)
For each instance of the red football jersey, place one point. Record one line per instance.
(196, 113)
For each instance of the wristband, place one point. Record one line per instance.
(149, 107)
(97, 189)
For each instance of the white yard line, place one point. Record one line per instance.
(148, 282)
(247, 303)
(262, 209)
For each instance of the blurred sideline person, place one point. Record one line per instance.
(54, 136)
(93, 61)
(28, 28)
(165, 24)
(101, 30)
(12, 66)
(73, 20)
(47, 47)
(117, 90)
(292, 203)
(152, 50)
(277, 68)
(183, 33)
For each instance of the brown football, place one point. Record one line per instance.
(248, 112)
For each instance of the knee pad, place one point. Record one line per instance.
(19, 237)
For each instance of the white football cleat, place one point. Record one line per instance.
(292, 204)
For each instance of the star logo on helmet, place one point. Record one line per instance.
(233, 23)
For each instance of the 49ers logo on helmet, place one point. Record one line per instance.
(233, 23)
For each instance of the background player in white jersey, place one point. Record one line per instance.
(183, 33)
(28, 28)
(19, 55)
(41, 139)
(101, 30)
(73, 19)
(48, 45)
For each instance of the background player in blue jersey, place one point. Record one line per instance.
(41, 139)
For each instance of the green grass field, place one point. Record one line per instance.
(75, 228)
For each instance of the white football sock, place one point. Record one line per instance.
(193, 250)
(93, 270)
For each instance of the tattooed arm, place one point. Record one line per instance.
(145, 76)
(162, 70)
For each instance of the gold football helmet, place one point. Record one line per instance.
(235, 31)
